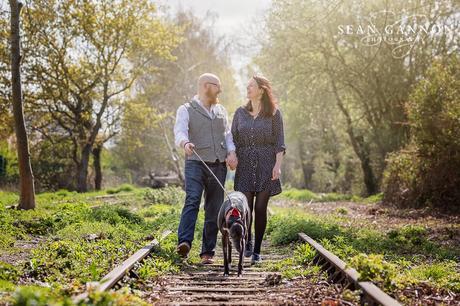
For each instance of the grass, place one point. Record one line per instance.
(78, 243)
(43, 296)
(299, 264)
(122, 188)
(308, 195)
(402, 257)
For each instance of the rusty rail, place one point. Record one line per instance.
(339, 273)
(114, 276)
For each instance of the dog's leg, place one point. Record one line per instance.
(241, 258)
(224, 248)
(229, 250)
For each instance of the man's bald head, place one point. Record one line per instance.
(208, 78)
(209, 87)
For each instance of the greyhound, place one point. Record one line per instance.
(233, 222)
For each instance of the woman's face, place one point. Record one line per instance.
(253, 90)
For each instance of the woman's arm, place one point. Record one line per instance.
(235, 134)
(232, 159)
(278, 131)
(280, 148)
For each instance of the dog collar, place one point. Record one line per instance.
(234, 212)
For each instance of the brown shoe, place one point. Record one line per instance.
(182, 249)
(207, 259)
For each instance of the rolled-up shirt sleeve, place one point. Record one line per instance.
(278, 129)
(228, 135)
(181, 126)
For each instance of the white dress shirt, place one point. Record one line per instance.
(182, 120)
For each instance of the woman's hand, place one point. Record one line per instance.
(231, 160)
(276, 172)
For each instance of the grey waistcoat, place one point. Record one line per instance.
(208, 135)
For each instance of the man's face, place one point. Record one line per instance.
(212, 89)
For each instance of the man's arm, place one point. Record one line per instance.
(181, 130)
(181, 126)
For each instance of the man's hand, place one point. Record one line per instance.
(231, 160)
(188, 147)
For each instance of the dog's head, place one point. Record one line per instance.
(236, 228)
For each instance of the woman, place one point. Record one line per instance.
(258, 134)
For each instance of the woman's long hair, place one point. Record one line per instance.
(268, 103)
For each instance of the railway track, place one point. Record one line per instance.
(205, 284)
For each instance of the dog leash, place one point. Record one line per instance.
(209, 169)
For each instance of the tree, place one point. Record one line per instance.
(6, 116)
(425, 172)
(86, 56)
(146, 142)
(368, 84)
(27, 192)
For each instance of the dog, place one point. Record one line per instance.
(233, 222)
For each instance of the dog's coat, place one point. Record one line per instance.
(233, 221)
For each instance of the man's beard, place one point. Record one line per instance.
(212, 98)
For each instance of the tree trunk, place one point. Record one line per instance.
(82, 185)
(370, 180)
(173, 154)
(359, 145)
(26, 178)
(97, 167)
(308, 168)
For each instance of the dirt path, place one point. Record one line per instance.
(199, 284)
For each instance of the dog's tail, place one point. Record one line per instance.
(236, 233)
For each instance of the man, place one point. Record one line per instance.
(202, 126)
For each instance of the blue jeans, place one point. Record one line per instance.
(197, 180)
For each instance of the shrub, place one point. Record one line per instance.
(116, 215)
(374, 268)
(341, 210)
(9, 272)
(415, 235)
(122, 188)
(285, 229)
(300, 194)
(438, 274)
(40, 296)
(307, 195)
(304, 254)
(154, 267)
(79, 259)
(425, 173)
(168, 195)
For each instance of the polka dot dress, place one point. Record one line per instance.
(257, 141)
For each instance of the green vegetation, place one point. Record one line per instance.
(400, 257)
(79, 244)
(124, 187)
(168, 195)
(308, 195)
(40, 296)
(156, 266)
(349, 106)
(299, 264)
(425, 172)
(283, 229)
(79, 239)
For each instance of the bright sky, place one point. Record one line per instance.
(233, 19)
(232, 15)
